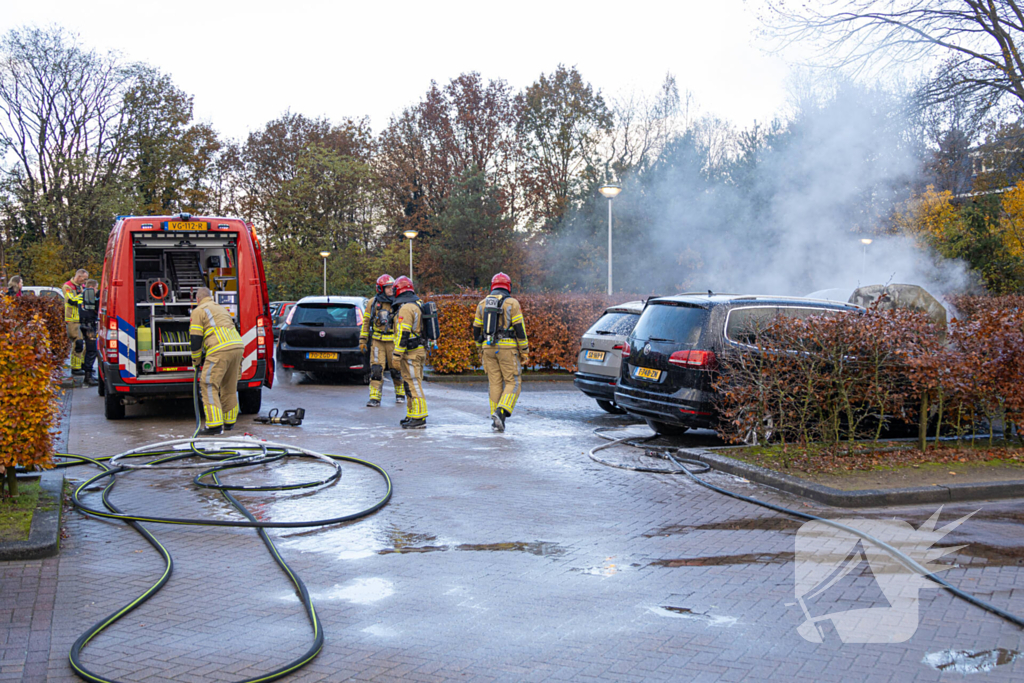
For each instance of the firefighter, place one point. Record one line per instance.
(410, 352)
(500, 333)
(380, 319)
(72, 319)
(213, 334)
(87, 313)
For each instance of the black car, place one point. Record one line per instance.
(670, 356)
(321, 336)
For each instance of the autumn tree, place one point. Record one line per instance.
(563, 121)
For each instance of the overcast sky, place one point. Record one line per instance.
(248, 62)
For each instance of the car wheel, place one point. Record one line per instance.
(610, 407)
(666, 429)
(113, 409)
(249, 401)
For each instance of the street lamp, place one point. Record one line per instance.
(610, 190)
(864, 262)
(324, 255)
(411, 234)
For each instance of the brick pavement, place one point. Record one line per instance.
(501, 557)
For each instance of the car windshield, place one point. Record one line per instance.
(615, 323)
(325, 315)
(668, 322)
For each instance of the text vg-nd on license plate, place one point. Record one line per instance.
(648, 373)
(595, 355)
(321, 355)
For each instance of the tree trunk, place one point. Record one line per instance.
(12, 481)
(922, 424)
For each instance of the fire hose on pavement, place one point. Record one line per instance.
(691, 468)
(215, 456)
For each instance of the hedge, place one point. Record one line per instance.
(554, 325)
(33, 348)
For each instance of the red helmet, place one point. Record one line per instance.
(383, 281)
(403, 285)
(502, 281)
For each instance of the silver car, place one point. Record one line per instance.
(601, 353)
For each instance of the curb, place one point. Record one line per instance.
(859, 499)
(44, 536)
(456, 379)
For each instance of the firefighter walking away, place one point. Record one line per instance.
(500, 333)
(73, 320)
(378, 334)
(213, 334)
(416, 325)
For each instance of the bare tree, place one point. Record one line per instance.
(644, 125)
(976, 41)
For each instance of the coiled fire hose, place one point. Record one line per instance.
(216, 456)
(691, 468)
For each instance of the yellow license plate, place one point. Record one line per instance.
(595, 355)
(321, 355)
(186, 225)
(648, 373)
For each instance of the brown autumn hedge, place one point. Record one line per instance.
(554, 325)
(33, 348)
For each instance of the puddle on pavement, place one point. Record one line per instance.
(609, 568)
(779, 524)
(686, 613)
(969, 661)
(358, 591)
(540, 548)
(723, 560)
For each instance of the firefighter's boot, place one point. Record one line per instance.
(373, 403)
(498, 419)
(414, 423)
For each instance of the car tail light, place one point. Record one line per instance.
(620, 347)
(626, 350)
(112, 341)
(693, 359)
(291, 314)
(261, 338)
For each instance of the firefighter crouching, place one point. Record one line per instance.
(213, 334)
(88, 320)
(72, 319)
(379, 331)
(410, 352)
(500, 333)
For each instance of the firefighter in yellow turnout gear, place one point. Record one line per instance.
(213, 334)
(379, 334)
(500, 333)
(410, 352)
(72, 320)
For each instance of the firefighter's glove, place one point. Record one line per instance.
(524, 359)
(362, 346)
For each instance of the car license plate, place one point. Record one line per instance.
(186, 225)
(595, 355)
(321, 355)
(648, 373)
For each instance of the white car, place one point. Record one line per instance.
(44, 291)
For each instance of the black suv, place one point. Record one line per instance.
(670, 356)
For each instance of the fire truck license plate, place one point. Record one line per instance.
(648, 373)
(321, 355)
(186, 225)
(595, 355)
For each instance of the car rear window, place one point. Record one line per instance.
(668, 322)
(325, 315)
(615, 323)
(744, 324)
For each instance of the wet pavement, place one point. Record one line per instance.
(500, 557)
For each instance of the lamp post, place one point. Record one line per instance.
(864, 262)
(610, 190)
(411, 234)
(324, 255)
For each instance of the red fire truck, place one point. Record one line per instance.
(151, 270)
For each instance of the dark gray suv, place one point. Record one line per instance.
(670, 358)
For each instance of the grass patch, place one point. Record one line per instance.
(16, 513)
(880, 455)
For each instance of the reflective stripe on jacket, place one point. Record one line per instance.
(511, 326)
(72, 301)
(214, 324)
(408, 325)
(369, 319)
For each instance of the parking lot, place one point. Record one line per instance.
(500, 557)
